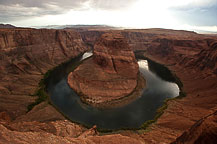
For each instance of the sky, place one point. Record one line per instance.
(173, 14)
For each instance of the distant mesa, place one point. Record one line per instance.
(7, 26)
(80, 27)
(111, 77)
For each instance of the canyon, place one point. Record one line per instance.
(27, 54)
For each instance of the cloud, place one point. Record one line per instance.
(12, 10)
(202, 29)
(197, 12)
(131, 13)
(111, 4)
(44, 3)
(194, 4)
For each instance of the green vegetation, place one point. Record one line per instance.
(146, 124)
(160, 111)
(41, 92)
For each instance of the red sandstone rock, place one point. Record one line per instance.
(192, 57)
(110, 76)
(26, 53)
(203, 131)
(187, 53)
(62, 131)
(113, 54)
(5, 117)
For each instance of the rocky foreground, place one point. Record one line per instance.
(111, 78)
(26, 54)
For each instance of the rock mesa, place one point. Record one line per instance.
(109, 78)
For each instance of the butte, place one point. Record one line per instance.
(110, 78)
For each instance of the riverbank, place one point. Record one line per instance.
(41, 92)
(179, 114)
(116, 83)
(142, 127)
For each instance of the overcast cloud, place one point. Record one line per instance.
(129, 13)
(11, 10)
(200, 12)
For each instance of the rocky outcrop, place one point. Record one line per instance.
(206, 59)
(113, 54)
(61, 136)
(109, 77)
(55, 131)
(202, 132)
(91, 36)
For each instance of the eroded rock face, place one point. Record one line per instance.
(25, 56)
(113, 54)
(108, 77)
(203, 131)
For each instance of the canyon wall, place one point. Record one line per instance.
(204, 131)
(192, 57)
(26, 54)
